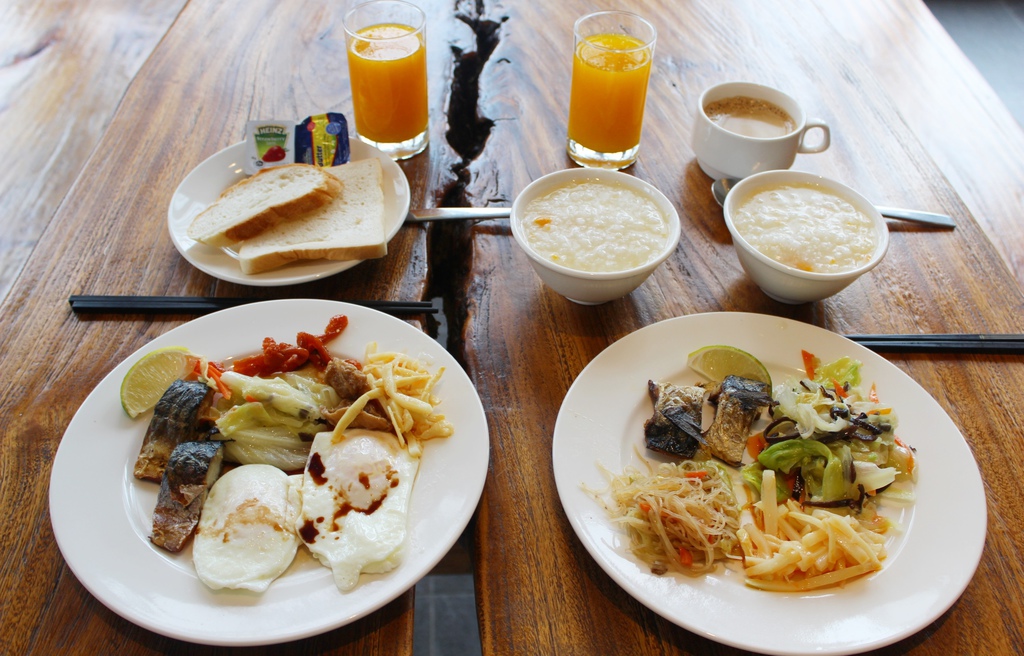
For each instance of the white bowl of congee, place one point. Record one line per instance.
(802, 237)
(594, 235)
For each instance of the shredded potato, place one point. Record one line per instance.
(789, 550)
(404, 387)
(679, 516)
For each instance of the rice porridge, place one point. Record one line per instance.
(806, 227)
(596, 227)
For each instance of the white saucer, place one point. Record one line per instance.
(207, 181)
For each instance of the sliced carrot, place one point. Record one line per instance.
(696, 474)
(873, 394)
(810, 363)
(756, 444)
(213, 372)
(685, 557)
(645, 507)
(840, 389)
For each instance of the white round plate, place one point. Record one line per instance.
(928, 565)
(207, 181)
(102, 515)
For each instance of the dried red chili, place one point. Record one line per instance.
(318, 354)
(279, 357)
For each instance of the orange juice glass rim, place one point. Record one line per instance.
(417, 26)
(647, 42)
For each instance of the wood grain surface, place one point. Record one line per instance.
(219, 66)
(159, 88)
(962, 124)
(525, 344)
(64, 67)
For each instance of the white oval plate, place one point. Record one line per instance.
(102, 515)
(207, 181)
(927, 568)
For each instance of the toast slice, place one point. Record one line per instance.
(262, 201)
(349, 228)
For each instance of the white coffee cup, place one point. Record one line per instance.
(725, 154)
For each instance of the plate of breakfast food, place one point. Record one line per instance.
(878, 517)
(288, 224)
(295, 476)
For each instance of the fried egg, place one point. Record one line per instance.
(246, 536)
(355, 499)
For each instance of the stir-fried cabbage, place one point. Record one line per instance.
(842, 442)
(273, 420)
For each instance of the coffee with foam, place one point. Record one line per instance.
(750, 117)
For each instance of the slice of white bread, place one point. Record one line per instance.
(262, 201)
(349, 228)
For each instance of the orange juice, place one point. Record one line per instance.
(609, 88)
(387, 66)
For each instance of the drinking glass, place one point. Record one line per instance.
(387, 67)
(612, 54)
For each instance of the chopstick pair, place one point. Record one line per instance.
(91, 304)
(997, 344)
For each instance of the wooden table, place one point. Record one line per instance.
(127, 98)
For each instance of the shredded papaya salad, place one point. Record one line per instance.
(830, 450)
(679, 516)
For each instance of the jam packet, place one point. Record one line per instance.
(267, 144)
(320, 140)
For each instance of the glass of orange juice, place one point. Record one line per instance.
(611, 65)
(387, 68)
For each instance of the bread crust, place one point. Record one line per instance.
(326, 192)
(269, 261)
(285, 212)
(361, 204)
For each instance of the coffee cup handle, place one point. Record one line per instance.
(826, 137)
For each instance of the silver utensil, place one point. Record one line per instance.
(458, 214)
(722, 186)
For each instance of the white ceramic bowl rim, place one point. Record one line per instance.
(839, 188)
(552, 179)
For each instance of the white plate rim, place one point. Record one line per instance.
(212, 176)
(105, 539)
(916, 585)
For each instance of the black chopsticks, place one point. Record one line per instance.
(997, 344)
(89, 304)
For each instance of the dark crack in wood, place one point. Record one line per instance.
(468, 131)
(450, 245)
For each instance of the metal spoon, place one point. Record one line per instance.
(722, 186)
(458, 214)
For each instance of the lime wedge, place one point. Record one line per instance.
(718, 361)
(150, 377)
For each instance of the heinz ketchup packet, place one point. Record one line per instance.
(267, 144)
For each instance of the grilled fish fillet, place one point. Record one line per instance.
(675, 426)
(739, 402)
(192, 469)
(177, 418)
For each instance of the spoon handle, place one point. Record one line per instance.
(929, 218)
(459, 214)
